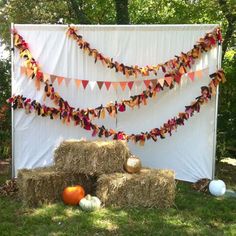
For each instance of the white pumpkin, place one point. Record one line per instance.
(217, 188)
(90, 203)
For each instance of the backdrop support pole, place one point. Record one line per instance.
(12, 111)
(219, 54)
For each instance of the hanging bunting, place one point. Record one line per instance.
(130, 84)
(67, 114)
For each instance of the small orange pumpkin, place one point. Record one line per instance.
(72, 195)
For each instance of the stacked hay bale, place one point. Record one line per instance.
(98, 166)
(149, 188)
(76, 163)
(91, 157)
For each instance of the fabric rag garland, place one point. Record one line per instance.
(20, 102)
(32, 70)
(173, 68)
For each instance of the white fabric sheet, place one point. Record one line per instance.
(189, 151)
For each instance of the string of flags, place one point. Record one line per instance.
(110, 84)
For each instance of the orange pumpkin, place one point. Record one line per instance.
(73, 195)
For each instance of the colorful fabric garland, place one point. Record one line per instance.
(174, 68)
(112, 109)
(171, 125)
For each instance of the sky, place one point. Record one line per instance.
(3, 53)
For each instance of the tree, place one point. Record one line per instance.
(122, 14)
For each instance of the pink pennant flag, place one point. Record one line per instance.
(107, 84)
(59, 80)
(85, 83)
(161, 81)
(191, 75)
(130, 84)
(123, 85)
(67, 81)
(198, 74)
(78, 82)
(53, 78)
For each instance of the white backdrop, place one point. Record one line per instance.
(189, 151)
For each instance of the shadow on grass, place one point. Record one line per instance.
(194, 214)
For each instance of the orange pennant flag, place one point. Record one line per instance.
(59, 80)
(147, 82)
(37, 84)
(22, 70)
(29, 72)
(161, 81)
(168, 80)
(115, 85)
(123, 85)
(78, 82)
(198, 74)
(191, 75)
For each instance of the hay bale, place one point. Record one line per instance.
(149, 188)
(45, 185)
(91, 157)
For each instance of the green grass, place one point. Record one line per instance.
(193, 214)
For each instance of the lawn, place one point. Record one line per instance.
(193, 214)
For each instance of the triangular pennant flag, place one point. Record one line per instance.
(198, 74)
(85, 83)
(191, 75)
(123, 85)
(100, 84)
(53, 78)
(147, 82)
(22, 70)
(138, 83)
(67, 81)
(46, 77)
(107, 84)
(168, 80)
(177, 78)
(59, 80)
(115, 85)
(161, 81)
(130, 84)
(154, 82)
(78, 82)
(29, 72)
(92, 84)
